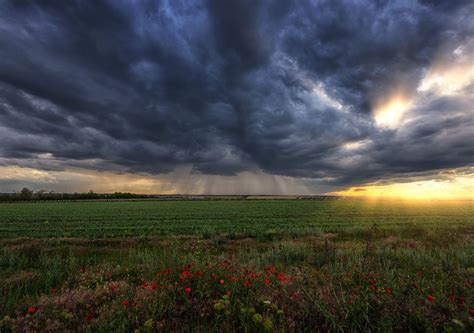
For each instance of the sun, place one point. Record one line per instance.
(390, 114)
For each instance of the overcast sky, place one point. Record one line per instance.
(234, 96)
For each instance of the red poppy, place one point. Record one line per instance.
(89, 317)
(125, 303)
(186, 274)
(282, 278)
(154, 286)
(145, 285)
(247, 283)
(187, 290)
(266, 281)
(430, 298)
(270, 269)
(198, 274)
(221, 281)
(388, 291)
(471, 312)
(372, 287)
(31, 309)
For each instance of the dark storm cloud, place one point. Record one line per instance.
(228, 86)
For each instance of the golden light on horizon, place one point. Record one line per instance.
(390, 113)
(459, 188)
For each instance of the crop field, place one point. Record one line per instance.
(237, 266)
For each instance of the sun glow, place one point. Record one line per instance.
(390, 114)
(460, 188)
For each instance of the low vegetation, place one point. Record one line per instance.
(266, 266)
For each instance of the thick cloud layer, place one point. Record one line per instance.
(281, 87)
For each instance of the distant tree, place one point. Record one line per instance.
(26, 193)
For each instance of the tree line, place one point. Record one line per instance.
(27, 194)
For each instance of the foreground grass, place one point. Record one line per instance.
(366, 278)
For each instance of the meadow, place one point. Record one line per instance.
(237, 265)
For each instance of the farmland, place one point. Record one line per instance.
(236, 265)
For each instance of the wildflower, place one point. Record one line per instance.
(270, 269)
(247, 283)
(198, 274)
(430, 298)
(471, 312)
(388, 291)
(266, 281)
(267, 325)
(186, 274)
(148, 324)
(32, 309)
(145, 285)
(125, 303)
(154, 286)
(257, 318)
(187, 290)
(282, 278)
(295, 296)
(89, 317)
(221, 281)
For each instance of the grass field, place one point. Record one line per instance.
(247, 266)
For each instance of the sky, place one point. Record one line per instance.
(371, 98)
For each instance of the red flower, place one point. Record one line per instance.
(145, 285)
(187, 290)
(372, 287)
(295, 296)
(247, 283)
(270, 269)
(198, 274)
(154, 286)
(282, 278)
(388, 291)
(186, 274)
(471, 312)
(89, 317)
(32, 309)
(125, 303)
(430, 298)
(266, 281)
(221, 281)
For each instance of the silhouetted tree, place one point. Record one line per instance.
(26, 193)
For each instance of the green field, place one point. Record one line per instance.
(237, 265)
(290, 217)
